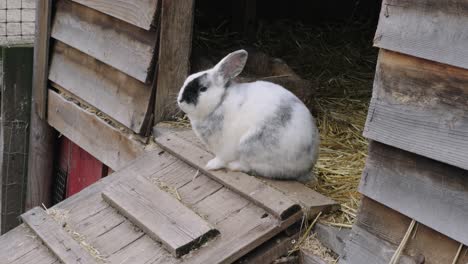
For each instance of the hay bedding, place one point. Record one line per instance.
(339, 61)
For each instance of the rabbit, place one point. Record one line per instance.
(258, 128)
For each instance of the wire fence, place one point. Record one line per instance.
(17, 21)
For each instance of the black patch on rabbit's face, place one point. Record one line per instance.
(193, 89)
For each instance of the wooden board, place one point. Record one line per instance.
(41, 56)
(174, 54)
(410, 184)
(270, 250)
(428, 29)
(389, 226)
(108, 144)
(159, 214)
(363, 247)
(311, 201)
(249, 187)
(15, 82)
(420, 106)
(333, 238)
(243, 225)
(20, 245)
(121, 97)
(140, 13)
(56, 238)
(126, 48)
(310, 258)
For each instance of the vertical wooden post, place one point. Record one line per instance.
(42, 136)
(174, 54)
(16, 81)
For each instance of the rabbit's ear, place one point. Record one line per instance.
(231, 65)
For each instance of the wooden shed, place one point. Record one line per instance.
(103, 73)
(415, 180)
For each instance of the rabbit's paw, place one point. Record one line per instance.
(215, 164)
(237, 166)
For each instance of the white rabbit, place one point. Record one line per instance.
(259, 128)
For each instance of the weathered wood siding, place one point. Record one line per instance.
(377, 225)
(430, 29)
(433, 193)
(420, 106)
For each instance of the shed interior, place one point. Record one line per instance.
(326, 59)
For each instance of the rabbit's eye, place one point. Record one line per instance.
(203, 89)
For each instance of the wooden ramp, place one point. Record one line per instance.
(164, 208)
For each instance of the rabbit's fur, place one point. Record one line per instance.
(258, 128)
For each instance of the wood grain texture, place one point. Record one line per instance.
(271, 250)
(15, 109)
(311, 201)
(174, 54)
(390, 226)
(420, 106)
(410, 184)
(41, 56)
(21, 246)
(333, 238)
(249, 187)
(126, 48)
(243, 225)
(363, 247)
(140, 13)
(116, 94)
(55, 237)
(310, 258)
(159, 214)
(108, 144)
(42, 136)
(427, 29)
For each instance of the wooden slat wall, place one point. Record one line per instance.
(380, 225)
(140, 13)
(420, 106)
(430, 29)
(123, 46)
(116, 94)
(432, 193)
(101, 140)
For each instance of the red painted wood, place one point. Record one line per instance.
(82, 168)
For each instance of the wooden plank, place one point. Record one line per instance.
(427, 29)
(389, 226)
(421, 107)
(56, 238)
(21, 246)
(174, 54)
(126, 48)
(332, 237)
(42, 136)
(41, 56)
(309, 258)
(311, 201)
(140, 13)
(410, 184)
(109, 145)
(363, 247)
(16, 82)
(243, 225)
(121, 97)
(159, 214)
(270, 250)
(249, 187)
